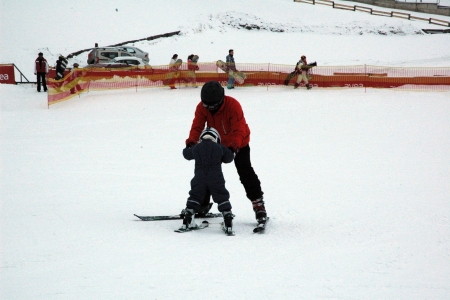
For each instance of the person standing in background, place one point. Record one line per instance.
(303, 72)
(231, 66)
(173, 69)
(41, 71)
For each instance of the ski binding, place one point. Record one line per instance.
(192, 227)
(228, 231)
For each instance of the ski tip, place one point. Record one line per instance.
(137, 216)
(183, 229)
(258, 229)
(204, 224)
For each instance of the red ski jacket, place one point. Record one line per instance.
(229, 121)
(40, 65)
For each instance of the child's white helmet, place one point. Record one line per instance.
(210, 134)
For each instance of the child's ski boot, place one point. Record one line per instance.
(228, 222)
(188, 220)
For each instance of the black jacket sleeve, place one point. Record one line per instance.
(228, 155)
(188, 154)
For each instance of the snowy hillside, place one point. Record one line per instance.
(286, 30)
(356, 181)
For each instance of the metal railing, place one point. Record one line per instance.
(377, 12)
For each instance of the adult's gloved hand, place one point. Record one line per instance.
(232, 150)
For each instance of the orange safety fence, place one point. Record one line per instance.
(89, 79)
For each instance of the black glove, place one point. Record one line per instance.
(235, 152)
(190, 144)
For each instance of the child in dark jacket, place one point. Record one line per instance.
(209, 155)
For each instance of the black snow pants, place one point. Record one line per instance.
(208, 183)
(41, 78)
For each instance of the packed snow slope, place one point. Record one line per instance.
(355, 180)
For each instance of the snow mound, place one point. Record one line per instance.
(243, 21)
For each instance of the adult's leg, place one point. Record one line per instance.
(247, 174)
(44, 82)
(299, 79)
(251, 183)
(305, 77)
(230, 82)
(38, 79)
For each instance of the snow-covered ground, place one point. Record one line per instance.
(356, 181)
(326, 35)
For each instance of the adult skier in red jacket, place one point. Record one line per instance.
(41, 70)
(225, 114)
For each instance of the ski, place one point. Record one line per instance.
(204, 225)
(177, 217)
(261, 226)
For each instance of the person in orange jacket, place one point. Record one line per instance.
(224, 113)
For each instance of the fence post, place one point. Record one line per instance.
(365, 83)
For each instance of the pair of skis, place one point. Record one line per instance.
(259, 228)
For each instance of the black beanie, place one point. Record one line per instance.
(212, 93)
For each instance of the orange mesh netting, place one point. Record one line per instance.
(86, 79)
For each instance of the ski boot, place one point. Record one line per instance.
(308, 87)
(228, 222)
(188, 219)
(296, 86)
(260, 210)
